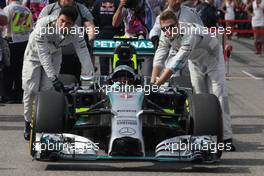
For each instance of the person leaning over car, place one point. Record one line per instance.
(42, 57)
(183, 13)
(205, 58)
(70, 62)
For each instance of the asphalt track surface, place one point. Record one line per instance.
(246, 94)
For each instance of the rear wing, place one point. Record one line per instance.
(107, 47)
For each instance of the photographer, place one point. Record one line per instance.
(137, 16)
(138, 20)
(103, 13)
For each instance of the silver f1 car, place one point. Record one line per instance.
(123, 117)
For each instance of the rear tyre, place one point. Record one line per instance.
(207, 117)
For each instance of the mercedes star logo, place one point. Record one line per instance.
(127, 131)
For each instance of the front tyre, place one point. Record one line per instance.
(206, 117)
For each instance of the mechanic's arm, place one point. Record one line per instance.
(155, 31)
(88, 22)
(44, 12)
(84, 55)
(178, 61)
(118, 16)
(90, 28)
(160, 57)
(44, 55)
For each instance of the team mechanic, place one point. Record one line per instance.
(184, 14)
(205, 58)
(42, 57)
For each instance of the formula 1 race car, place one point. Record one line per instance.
(124, 117)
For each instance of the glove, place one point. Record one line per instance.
(155, 41)
(58, 85)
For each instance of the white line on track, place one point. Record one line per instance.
(251, 75)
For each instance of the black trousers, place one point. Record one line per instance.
(2, 83)
(13, 73)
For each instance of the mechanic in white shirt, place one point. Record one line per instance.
(184, 42)
(43, 54)
(183, 13)
(70, 62)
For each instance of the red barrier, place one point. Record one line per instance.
(238, 30)
(244, 31)
(234, 21)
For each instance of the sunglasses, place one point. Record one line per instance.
(166, 28)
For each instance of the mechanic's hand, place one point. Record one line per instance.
(155, 41)
(157, 83)
(122, 3)
(89, 73)
(58, 85)
(152, 81)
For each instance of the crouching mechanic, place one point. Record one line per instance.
(42, 57)
(183, 42)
